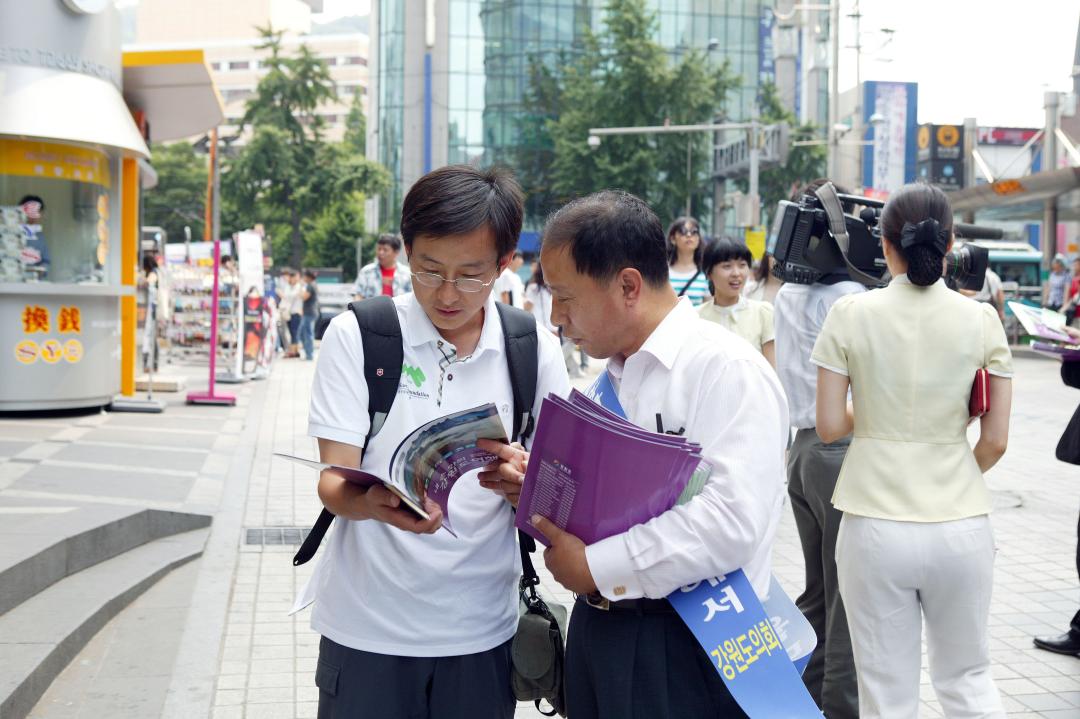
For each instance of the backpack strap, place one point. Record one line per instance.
(380, 333)
(519, 334)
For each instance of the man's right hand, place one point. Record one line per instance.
(382, 505)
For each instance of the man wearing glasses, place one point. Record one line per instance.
(416, 622)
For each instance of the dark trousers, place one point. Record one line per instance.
(354, 684)
(813, 467)
(622, 665)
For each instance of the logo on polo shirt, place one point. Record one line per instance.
(412, 382)
(415, 374)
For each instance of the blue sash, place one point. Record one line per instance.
(745, 640)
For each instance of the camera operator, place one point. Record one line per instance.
(813, 466)
(915, 537)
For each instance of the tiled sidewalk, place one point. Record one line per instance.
(268, 658)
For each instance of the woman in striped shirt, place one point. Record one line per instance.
(685, 249)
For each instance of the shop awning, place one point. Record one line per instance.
(1005, 193)
(66, 107)
(175, 91)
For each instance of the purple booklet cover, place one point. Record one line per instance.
(431, 459)
(595, 474)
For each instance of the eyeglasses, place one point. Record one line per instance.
(685, 232)
(463, 284)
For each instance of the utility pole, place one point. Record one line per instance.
(1049, 163)
(857, 122)
(834, 88)
(971, 142)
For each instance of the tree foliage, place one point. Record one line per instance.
(803, 164)
(288, 176)
(179, 198)
(622, 77)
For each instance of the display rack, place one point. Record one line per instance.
(12, 244)
(191, 298)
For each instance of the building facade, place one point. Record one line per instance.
(231, 43)
(452, 76)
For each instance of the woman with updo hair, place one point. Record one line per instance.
(915, 540)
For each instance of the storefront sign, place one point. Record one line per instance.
(53, 60)
(28, 158)
(37, 319)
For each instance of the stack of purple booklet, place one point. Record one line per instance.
(595, 474)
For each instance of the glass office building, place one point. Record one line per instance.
(463, 103)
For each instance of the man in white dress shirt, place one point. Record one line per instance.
(629, 655)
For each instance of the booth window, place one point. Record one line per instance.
(59, 213)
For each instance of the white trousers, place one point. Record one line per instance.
(891, 575)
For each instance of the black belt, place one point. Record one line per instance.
(633, 606)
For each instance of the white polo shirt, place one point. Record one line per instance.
(380, 589)
(715, 389)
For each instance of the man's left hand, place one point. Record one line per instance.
(565, 558)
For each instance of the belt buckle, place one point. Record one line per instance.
(597, 601)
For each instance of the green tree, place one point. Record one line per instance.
(356, 127)
(287, 175)
(332, 236)
(623, 77)
(803, 164)
(179, 198)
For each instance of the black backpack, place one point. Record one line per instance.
(380, 333)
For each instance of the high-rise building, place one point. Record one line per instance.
(227, 32)
(451, 77)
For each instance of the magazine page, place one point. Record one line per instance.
(1042, 323)
(594, 481)
(358, 476)
(434, 457)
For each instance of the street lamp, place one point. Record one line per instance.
(593, 141)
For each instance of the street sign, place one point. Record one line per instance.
(940, 142)
(732, 159)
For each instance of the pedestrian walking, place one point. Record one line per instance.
(629, 655)
(1072, 297)
(1057, 284)
(915, 540)
(685, 249)
(509, 289)
(309, 295)
(386, 276)
(417, 622)
(813, 467)
(764, 286)
(1068, 450)
(726, 264)
(538, 301)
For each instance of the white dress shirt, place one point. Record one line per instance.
(799, 312)
(698, 379)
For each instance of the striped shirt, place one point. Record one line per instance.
(699, 288)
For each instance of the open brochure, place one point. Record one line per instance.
(595, 474)
(430, 460)
(1047, 330)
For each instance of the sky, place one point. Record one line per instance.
(991, 60)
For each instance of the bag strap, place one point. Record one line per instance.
(519, 335)
(380, 333)
(688, 283)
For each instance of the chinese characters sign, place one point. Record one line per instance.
(37, 320)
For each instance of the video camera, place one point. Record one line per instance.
(814, 238)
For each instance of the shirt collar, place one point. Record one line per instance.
(904, 280)
(667, 339)
(419, 330)
(739, 306)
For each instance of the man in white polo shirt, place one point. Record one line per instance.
(417, 622)
(629, 655)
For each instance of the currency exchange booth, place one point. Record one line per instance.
(70, 158)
